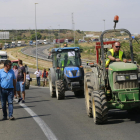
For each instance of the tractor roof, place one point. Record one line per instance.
(65, 48)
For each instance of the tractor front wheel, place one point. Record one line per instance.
(99, 107)
(88, 89)
(60, 90)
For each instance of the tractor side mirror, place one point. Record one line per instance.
(58, 56)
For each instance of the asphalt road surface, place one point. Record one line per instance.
(43, 117)
(40, 51)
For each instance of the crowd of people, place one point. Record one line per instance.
(12, 84)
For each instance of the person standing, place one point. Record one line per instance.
(38, 74)
(44, 76)
(8, 86)
(21, 78)
(15, 69)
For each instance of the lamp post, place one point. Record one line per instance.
(59, 35)
(49, 33)
(74, 33)
(36, 38)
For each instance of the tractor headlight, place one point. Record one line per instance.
(120, 78)
(78, 73)
(70, 74)
(133, 77)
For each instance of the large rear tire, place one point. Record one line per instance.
(99, 107)
(60, 90)
(88, 89)
(52, 91)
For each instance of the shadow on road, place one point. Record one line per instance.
(33, 97)
(31, 117)
(37, 101)
(73, 97)
(120, 116)
(17, 107)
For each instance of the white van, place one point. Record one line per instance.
(3, 56)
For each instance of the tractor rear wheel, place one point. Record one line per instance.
(99, 107)
(60, 90)
(88, 89)
(52, 92)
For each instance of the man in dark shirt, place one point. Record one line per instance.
(21, 78)
(115, 55)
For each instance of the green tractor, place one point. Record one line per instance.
(67, 74)
(112, 87)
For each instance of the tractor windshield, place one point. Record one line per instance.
(69, 58)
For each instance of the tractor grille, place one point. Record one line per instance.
(124, 84)
(74, 72)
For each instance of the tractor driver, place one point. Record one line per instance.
(66, 62)
(115, 55)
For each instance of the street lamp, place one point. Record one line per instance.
(36, 38)
(104, 24)
(49, 32)
(74, 33)
(59, 35)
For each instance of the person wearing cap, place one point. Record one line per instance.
(65, 45)
(115, 55)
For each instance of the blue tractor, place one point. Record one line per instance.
(67, 74)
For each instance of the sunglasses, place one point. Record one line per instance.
(117, 46)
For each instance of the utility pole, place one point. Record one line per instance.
(59, 35)
(73, 28)
(36, 38)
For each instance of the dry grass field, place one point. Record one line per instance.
(15, 53)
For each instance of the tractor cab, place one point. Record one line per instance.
(67, 69)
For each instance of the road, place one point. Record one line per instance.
(66, 119)
(43, 53)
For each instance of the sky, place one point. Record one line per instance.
(88, 15)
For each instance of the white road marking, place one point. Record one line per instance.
(45, 128)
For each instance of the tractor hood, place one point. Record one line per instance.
(121, 66)
(72, 72)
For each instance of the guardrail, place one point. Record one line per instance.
(84, 61)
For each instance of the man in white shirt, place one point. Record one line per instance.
(38, 74)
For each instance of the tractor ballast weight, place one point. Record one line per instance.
(67, 74)
(115, 87)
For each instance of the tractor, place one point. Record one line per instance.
(67, 74)
(112, 87)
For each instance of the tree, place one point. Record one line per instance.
(18, 37)
(44, 37)
(33, 36)
(39, 35)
